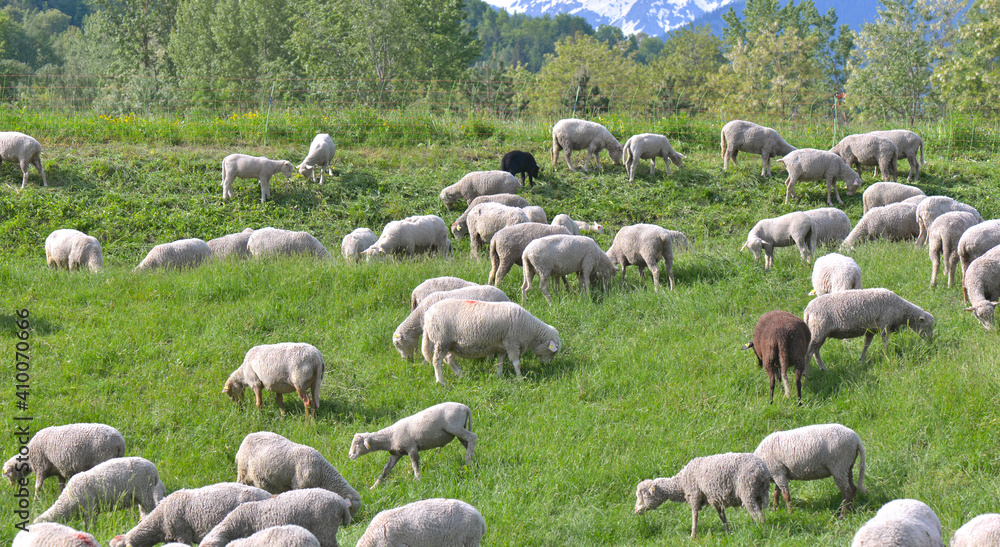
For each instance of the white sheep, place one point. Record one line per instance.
(934, 206)
(835, 272)
(273, 242)
(273, 463)
(53, 534)
(559, 256)
(862, 312)
(982, 286)
(479, 183)
(288, 535)
(908, 144)
(535, 214)
(811, 164)
(982, 531)
(356, 242)
(430, 428)
(743, 136)
(572, 134)
(63, 451)
(489, 218)
(722, 480)
(942, 239)
(435, 284)
(795, 228)
(832, 225)
(411, 236)
(23, 149)
(73, 250)
(471, 329)
(508, 244)
(186, 516)
(320, 511)
(231, 245)
(649, 146)
(460, 228)
(406, 338)
(281, 368)
(866, 149)
(901, 523)
(976, 241)
(176, 255)
(564, 220)
(114, 484)
(426, 523)
(884, 193)
(592, 227)
(896, 221)
(811, 453)
(679, 240)
(643, 245)
(252, 167)
(321, 152)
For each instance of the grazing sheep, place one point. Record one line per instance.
(508, 244)
(435, 284)
(487, 219)
(479, 183)
(795, 228)
(273, 463)
(901, 523)
(982, 286)
(976, 241)
(934, 206)
(471, 329)
(742, 136)
(835, 272)
(722, 480)
(678, 240)
(63, 451)
(356, 242)
(535, 214)
(430, 428)
(116, 483)
(274, 242)
(23, 149)
(407, 335)
(780, 341)
(649, 146)
(52, 534)
(832, 225)
(319, 511)
(288, 535)
(895, 222)
(943, 237)
(320, 154)
(908, 144)
(426, 523)
(643, 245)
(561, 255)
(73, 250)
(517, 162)
(866, 149)
(585, 226)
(410, 236)
(811, 453)
(252, 167)
(564, 220)
(176, 255)
(884, 193)
(281, 368)
(812, 164)
(234, 245)
(862, 312)
(573, 134)
(460, 228)
(186, 516)
(981, 531)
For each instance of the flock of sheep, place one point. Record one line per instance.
(453, 318)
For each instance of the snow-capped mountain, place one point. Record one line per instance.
(654, 17)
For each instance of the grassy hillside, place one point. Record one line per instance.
(646, 380)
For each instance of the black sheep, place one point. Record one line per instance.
(516, 161)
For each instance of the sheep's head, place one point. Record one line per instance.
(459, 229)
(359, 446)
(677, 158)
(234, 388)
(615, 153)
(852, 182)
(14, 471)
(449, 196)
(548, 348)
(306, 170)
(983, 311)
(287, 169)
(755, 244)
(373, 253)
(646, 497)
(923, 324)
(403, 346)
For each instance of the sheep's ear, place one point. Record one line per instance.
(967, 309)
(366, 443)
(553, 346)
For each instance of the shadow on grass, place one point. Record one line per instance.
(39, 327)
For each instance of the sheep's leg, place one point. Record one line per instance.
(721, 510)
(279, 398)
(935, 264)
(798, 384)
(868, 340)
(656, 274)
(694, 519)
(453, 363)
(784, 381)
(393, 458)
(765, 170)
(771, 379)
(790, 188)
(306, 400)
(438, 369)
(543, 284)
(37, 162)
(768, 257)
(265, 188)
(500, 364)
(949, 268)
(813, 350)
(415, 462)
(258, 395)
(515, 359)
(468, 440)
(652, 163)
(847, 490)
(566, 154)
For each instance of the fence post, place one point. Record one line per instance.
(267, 118)
(575, 100)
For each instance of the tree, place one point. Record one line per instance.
(690, 56)
(969, 79)
(581, 64)
(139, 30)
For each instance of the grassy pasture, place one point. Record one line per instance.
(646, 381)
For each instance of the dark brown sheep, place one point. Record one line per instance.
(780, 341)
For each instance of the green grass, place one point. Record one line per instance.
(646, 380)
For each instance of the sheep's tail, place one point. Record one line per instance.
(921, 153)
(316, 384)
(494, 262)
(861, 467)
(468, 421)
(722, 143)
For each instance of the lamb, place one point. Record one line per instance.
(585, 226)
(982, 285)
(274, 242)
(479, 183)
(186, 516)
(574, 134)
(643, 245)
(564, 220)
(487, 219)
(795, 228)
(435, 284)
(319, 511)
(896, 221)
(976, 241)
(63, 451)
(252, 167)
(430, 428)
(116, 483)
(722, 480)
(472, 329)
(812, 164)
(884, 193)
(272, 462)
(835, 272)
(176, 255)
(901, 523)
(25, 150)
(516, 161)
(410, 236)
(356, 242)
(560, 256)
(832, 225)
(320, 154)
(981, 531)
(849, 314)
(281, 368)
(288, 535)
(742, 136)
(811, 453)
(649, 146)
(460, 228)
(508, 244)
(934, 206)
(426, 523)
(780, 341)
(907, 144)
(73, 250)
(943, 237)
(866, 149)
(232, 245)
(407, 335)
(52, 534)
